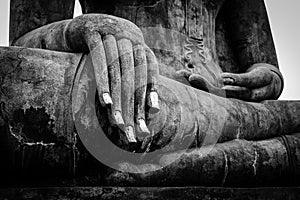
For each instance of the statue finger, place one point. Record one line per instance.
(128, 87)
(114, 71)
(153, 73)
(184, 73)
(237, 92)
(140, 67)
(98, 56)
(199, 82)
(256, 78)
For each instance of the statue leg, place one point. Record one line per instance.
(209, 119)
(36, 127)
(238, 163)
(36, 112)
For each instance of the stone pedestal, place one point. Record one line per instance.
(205, 193)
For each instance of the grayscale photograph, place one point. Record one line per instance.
(149, 99)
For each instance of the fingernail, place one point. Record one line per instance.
(154, 102)
(143, 127)
(130, 134)
(118, 118)
(107, 99)
(180, 72)
(228, 80)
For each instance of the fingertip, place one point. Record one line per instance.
(194, 77)
(184, 73)
(130, 134)
(154, 104)
(228, 81)
(107, 99)
(143, 129)
(119, 119)
(179, 72)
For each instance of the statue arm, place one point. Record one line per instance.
(124, 66)
(253, 45)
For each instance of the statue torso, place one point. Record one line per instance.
(179, 31)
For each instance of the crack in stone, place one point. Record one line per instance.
(20, 139)
(74, 148)
(226, 168)
(238, 133)
(255, 162)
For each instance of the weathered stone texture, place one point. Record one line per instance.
(37, 129)
(238, 163)
(257, 142)
(91, 193)
(27, 15)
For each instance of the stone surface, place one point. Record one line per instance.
(75, 193)
(257, 142)
(37, 131)
(58, 151)
(27, 15)
(232, 164)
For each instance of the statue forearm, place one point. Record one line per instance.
(73, 35)
(51, 37)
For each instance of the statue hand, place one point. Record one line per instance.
(261, 82)
(125, 68)
(206, 77)
(201, 70)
